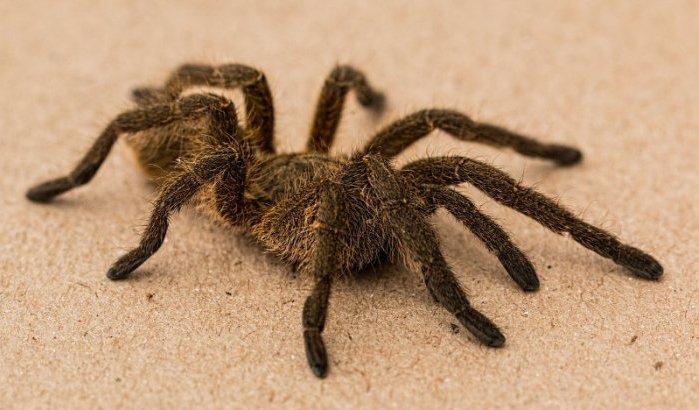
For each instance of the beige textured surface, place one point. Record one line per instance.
(618, 79)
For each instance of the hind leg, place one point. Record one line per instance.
(397, 136)
(505, 190)
(489, 232)
(331, 101)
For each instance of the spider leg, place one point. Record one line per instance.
(314, 312)
(144, 96)
(223, 125)
(325, 265)
(171, 199)
(504, 189)
(417, 239)
(397, 136)
(489, 232)
(259, 105)
(332, 98)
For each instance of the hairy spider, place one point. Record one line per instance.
(330, 214)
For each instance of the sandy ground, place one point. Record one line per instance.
(213, 321)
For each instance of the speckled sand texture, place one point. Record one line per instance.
(212, 321)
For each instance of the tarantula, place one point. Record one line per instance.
(330, 215)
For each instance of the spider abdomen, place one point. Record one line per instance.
(160, 151)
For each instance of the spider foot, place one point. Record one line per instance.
(148, 95)
(122, 268)
(315, 352)
(50, 189)
(520, 269)
(480, 326)
(639, 262)
(375, 101)
(564, 155)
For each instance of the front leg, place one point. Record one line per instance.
(172, 198)
(488, 231)
(223, 123)
(418, 242)
(507, 191)
(325, 265)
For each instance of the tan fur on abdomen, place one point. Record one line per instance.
(160, 151)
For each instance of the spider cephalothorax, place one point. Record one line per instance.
(328, 214)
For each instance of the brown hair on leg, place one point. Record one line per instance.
(489, 232)
(504, 189)
(399, 135)
(331, 101)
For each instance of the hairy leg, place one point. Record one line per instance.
(145, 96)
(325, 265)
(259, 105)
(332, 98)
(171, 199)
(490, 233)
(419, 242)
(397, 136)
(223, 126)
(504, 189)
(229, 194)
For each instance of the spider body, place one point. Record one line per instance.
(282, 191)
(330, 215)
(281, 194)
(287, 225)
